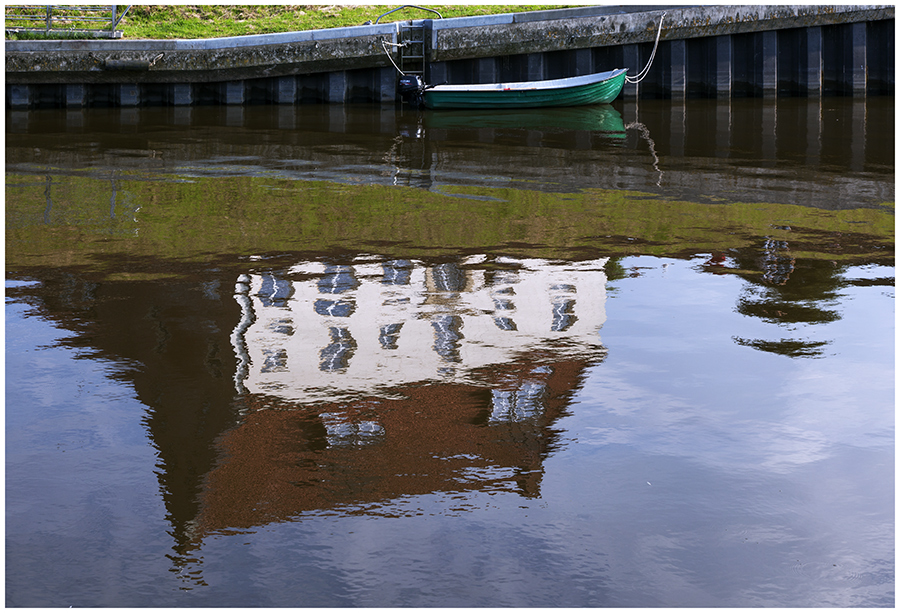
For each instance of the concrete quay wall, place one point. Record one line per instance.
(704, 51)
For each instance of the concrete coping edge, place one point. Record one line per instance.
(255, 40)
(390, 30)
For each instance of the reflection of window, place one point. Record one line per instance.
(274, 291)
(340, 432)
(563, 314)
(396, 272)
(563, 307)
(337, 280)
(447, 336)
(505, 323)
(282, 326)
(335, 308)
(516, 405)
(211, 289)
(389, 335)
(274, 360)
(505, 277)
(449, 278)
(336, 356)
(501, 303)
(778, 264)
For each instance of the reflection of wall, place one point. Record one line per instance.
(832, 153)
(365, 455)
(319, 331)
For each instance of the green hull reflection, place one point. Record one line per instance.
(598, 118)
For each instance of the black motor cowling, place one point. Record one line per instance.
(410, 88)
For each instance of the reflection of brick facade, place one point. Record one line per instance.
(358, 456)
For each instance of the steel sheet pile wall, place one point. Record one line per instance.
(707, 51)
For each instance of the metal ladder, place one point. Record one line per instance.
(412, 49)
(411, 39)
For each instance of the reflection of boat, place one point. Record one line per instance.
(596, 118)
(597, 88)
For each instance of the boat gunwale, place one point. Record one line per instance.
(550, 84)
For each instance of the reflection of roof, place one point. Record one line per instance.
(361, 456)
(320, 332)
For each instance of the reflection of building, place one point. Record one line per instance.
(362, 384)
(368, 456)
(322, 332)
(367, 382)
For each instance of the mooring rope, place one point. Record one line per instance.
(640, 76)
(636, 79)
(387, 53)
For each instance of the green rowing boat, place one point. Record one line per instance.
(598, 88)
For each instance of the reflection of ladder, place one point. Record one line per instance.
(412, 51)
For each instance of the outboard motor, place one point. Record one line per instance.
(411, 87)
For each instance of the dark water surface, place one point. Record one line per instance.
(357, 356)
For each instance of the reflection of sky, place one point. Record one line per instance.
(658, 389)
(79, 472)
(696, 472)
(693, 471)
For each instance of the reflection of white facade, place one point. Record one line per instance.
(321, 332)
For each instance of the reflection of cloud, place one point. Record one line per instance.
(784, 447)
(787, 414)
(797, 424)
(847, 402)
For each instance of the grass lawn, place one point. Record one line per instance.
(207, 21)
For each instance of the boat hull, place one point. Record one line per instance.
(602, 88)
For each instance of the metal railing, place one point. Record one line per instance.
(409, 6)
(56, 20)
